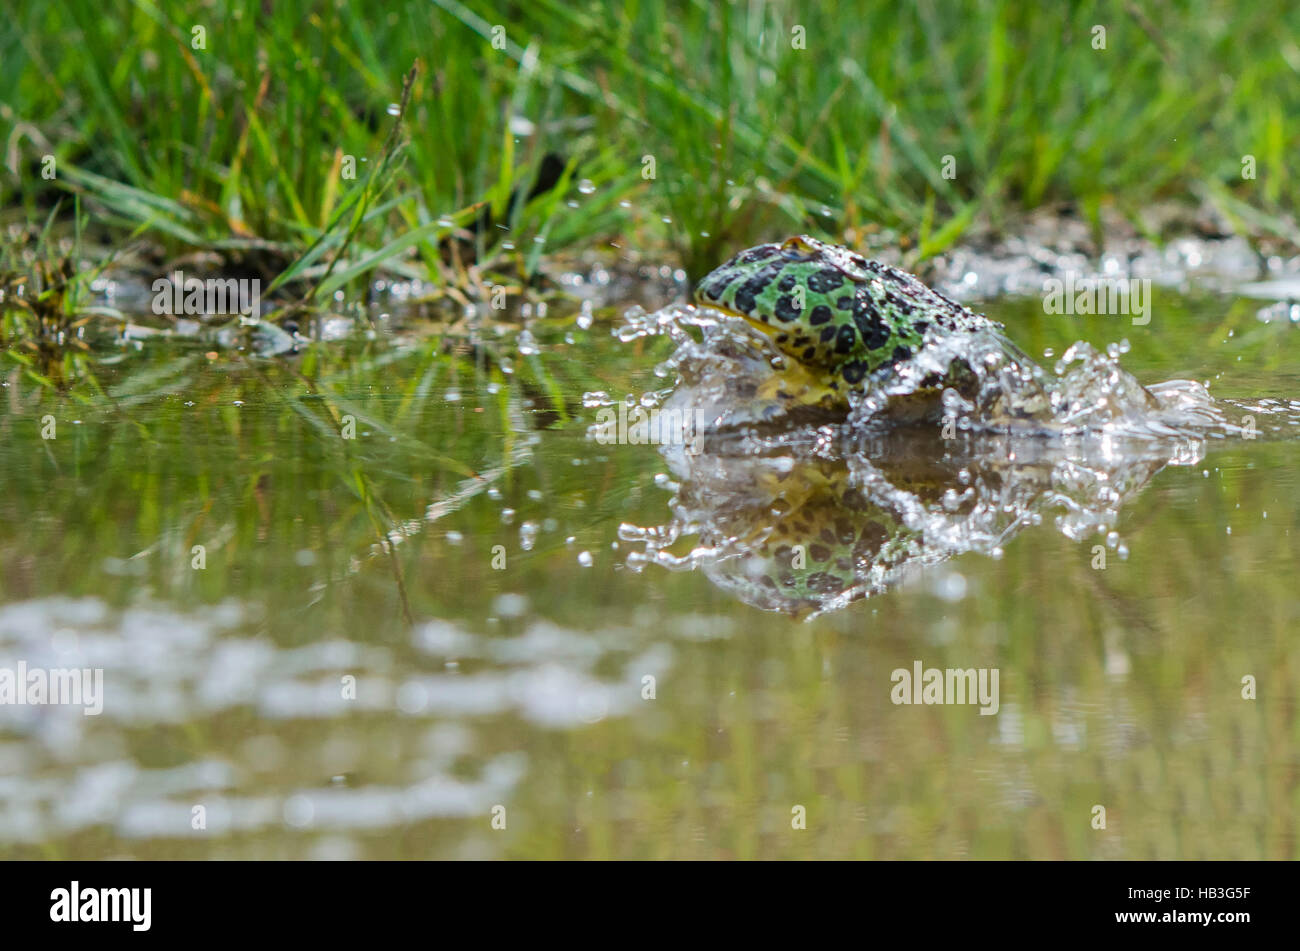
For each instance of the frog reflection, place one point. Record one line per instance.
(821, 520)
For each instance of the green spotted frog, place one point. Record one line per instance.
(841, 319)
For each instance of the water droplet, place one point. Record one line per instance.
(585, 559)
(586, 187)
(394, 109)
(528, 535)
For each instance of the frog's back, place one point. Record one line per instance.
(832, 308)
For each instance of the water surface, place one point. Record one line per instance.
(466, 559)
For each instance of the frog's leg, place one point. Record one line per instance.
(795, 385)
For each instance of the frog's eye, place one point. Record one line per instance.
(756, 255)
(801, 242)
(800, 248)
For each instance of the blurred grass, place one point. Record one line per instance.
(246, 140)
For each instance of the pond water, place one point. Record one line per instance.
(473, 630)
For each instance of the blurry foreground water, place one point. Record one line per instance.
(463, 615)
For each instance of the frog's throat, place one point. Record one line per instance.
(796, 386)
(798, 383)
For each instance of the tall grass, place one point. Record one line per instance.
(760, 118)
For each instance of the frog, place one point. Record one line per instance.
(843, 322)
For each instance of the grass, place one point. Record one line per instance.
(246, 144)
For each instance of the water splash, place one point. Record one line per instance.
(828, 517)
(720, 365)
(806, 514)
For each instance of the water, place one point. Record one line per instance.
(474, 604)
(805, 516)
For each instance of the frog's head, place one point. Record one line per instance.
(810, 297)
